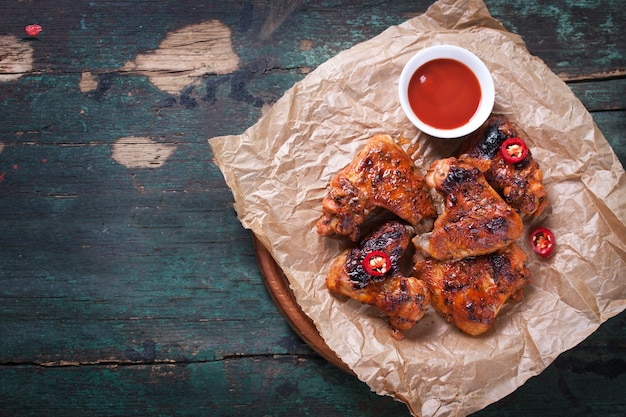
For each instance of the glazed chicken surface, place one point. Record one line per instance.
(520, 184)
(403, 298)
(475, 219)
(470, 292)
(383, 175)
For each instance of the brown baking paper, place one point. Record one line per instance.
(279, 169)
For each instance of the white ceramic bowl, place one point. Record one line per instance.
(470, 60)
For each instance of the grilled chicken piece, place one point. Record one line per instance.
(520, 184)
(382, 175)
(470, 292)
(403, 299)
(475, 220)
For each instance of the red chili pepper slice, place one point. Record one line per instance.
(542, 241)
(514, 150)
(33, 30)
(377, 263)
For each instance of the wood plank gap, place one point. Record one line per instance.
(604, 76)
(130, 363)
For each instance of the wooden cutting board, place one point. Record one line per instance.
(278, 287)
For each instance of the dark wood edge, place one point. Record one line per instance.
(278, 287)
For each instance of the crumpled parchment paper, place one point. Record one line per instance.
(279, 169)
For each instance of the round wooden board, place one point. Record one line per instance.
(278, 287)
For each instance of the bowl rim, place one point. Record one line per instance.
(475, 64)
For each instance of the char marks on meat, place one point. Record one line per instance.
(520, 184)
(403, 298)
(470, 292)
(475, 220)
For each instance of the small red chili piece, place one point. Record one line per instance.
(377, 263)
(33, 30)
(542, 241)
(514, 150)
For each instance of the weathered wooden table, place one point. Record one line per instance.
(127, 284)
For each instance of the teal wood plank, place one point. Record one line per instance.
(577, 39)
(613, 125)
(296, 385)
(606, 95)
(285, 386)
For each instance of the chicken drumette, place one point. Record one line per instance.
(382, 175)
(475, 220)
(404, 299)
(520, 183)
(470, 292)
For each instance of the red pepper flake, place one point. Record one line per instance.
(2, 176)
(15, 166)
(377, 263)
(514, 150)
(542, 241)
(33, 30)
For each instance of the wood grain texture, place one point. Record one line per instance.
(132, 290)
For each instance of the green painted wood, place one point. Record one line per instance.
(136, 290)
(287, 385)
(612, 125)
(597, 96)
(233, 387)
(581, 38)
(576, 39)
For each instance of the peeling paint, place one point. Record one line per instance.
(186, 55)
(16, 58)
(141, 152)
(306, 45)
(88, 82)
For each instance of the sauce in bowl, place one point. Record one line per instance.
(444, 93)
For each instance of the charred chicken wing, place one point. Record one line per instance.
(378, 280)
(382, 175)
(475, 220)
(470, 292)
(519, 183)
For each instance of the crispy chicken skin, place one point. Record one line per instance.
(403, 299)
(470, 292)
(382, 175)
(520, 184)
(475, 220)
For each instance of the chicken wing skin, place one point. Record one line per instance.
(475, 220)
(470, 292)
(382, 175)
(404, 299)
(520, 184)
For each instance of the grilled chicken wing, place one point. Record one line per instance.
(520, 184)
(403, 299)
(470, 292)
(475, 220)
(382, 175)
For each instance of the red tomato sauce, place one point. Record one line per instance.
(444, 93)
